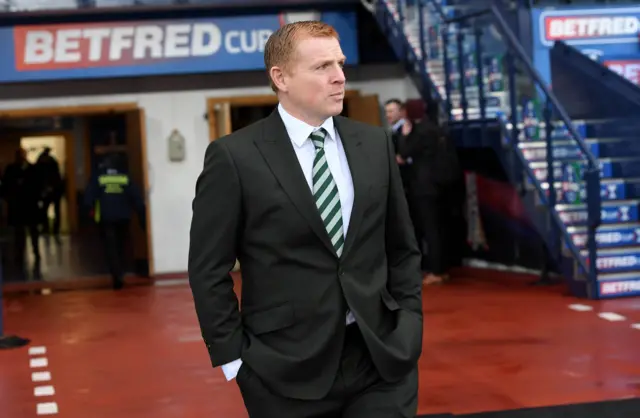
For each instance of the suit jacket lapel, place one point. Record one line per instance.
(357, 158)
(276, 148)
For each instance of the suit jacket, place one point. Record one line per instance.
(252, 202)
(421, 145)
(396, 137)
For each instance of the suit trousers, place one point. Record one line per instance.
(357, 392)
(427, 213)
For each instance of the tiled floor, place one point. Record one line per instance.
(78, 255)
(489, 345)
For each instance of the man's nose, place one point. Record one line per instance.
(339, 76)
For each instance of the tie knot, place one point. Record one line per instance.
(318, 137)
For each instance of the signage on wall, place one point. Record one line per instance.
(158, 47)
(609, 35)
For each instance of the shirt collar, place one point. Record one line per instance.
(397, 125)
(299, 131)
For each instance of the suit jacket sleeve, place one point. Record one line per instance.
(214, 232)
(403, 256)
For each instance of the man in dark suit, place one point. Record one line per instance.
(396, 115)
(429, 180)
(312, 206)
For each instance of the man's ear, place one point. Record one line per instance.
(278, 78)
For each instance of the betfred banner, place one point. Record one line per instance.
(609, 35)
(589, 28)
(138, 48)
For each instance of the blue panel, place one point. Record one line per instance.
(617, 288)
(619, 261)
(598, 37)
(140, 48)
(615, 236)
(611, 213)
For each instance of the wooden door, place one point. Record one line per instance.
(365, 109)
(219, 114)
(138, 170)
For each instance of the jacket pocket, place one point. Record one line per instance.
(269, 319)
(388, 300)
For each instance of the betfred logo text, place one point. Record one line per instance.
(126, 43)
(619, 287)
(629, 69)
(568, 28)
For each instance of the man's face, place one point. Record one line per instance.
(314, 81)
(393, 113)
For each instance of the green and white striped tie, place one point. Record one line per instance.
(326, 194)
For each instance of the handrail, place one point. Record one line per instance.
(592, 169)
(513, 43)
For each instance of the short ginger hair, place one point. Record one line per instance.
(281, 45)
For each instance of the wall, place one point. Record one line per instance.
(172, 184)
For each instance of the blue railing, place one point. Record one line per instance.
(472, 90)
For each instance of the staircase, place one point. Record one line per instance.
(465, 56)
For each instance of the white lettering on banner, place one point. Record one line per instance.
(614, 288)
(248, 41)
(628, 70)
(590, 27)
(616, 262)
(85, 45)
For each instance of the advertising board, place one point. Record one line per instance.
(151, 47)
(608, 35)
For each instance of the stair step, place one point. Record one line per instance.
(619, 284)
(608, 128)
(611, 212)
(474, 113)
(572, 169)
(607, 236)
(616, 260)
(568, 149)
(492, 99)
(610, 189)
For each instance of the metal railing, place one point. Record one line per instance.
(486, 33)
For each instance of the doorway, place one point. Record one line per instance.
(77, 138)
(59, 215)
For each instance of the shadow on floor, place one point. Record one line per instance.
(60, 258)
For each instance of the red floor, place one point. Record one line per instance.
(489, 345)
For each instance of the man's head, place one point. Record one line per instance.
(394, 110)
(304, 62)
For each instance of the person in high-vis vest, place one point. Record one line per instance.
(113, 197)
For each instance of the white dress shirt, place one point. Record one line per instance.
(299, 132)
(397, 128)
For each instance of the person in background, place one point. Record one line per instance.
(113, 197)
(431, 176)
(396, 115)
(53, 188)
(312, 205)
(22, 191)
